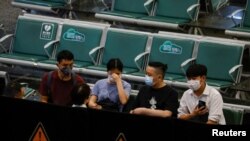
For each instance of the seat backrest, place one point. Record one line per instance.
(233, 115)
(219, 57)
(80, 39)
(32, 34)
(168, 8)
(246, 18)
(172, 51)
(124, 44)
(135, 6)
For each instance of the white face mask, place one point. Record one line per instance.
(111, 79)
(194, 84)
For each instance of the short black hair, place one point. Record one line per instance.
(64, 54)
(159, 66)
(115, 63)
(195, 70)
(80, 93)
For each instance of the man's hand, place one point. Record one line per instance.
(199, 111)
(138, 111)
(116, 77)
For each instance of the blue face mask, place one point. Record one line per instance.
(66, 71)
(148, 80)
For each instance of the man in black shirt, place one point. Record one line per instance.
(156, 98)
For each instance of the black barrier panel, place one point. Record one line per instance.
(196, 131)
(19, 120)
(107, 126)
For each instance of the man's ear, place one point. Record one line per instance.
(203, 78)
(160, 76)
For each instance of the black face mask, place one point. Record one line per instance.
(66, 71)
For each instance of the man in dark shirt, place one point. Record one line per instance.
(61, 81)
(156, 98)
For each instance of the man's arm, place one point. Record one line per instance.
(212, 122)
(122, 93)
(196, 112)
(152, 112)
(92, 103)
(215, 109)
(44, 99)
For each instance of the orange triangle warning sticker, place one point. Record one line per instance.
(39, 134)
(121, 137)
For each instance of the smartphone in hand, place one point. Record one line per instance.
(202, 104)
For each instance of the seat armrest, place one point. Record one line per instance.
(185, 63)
(105, 5)
(3, 39)
(221, 3)
(92, 52)
(190, 9)
(6, 37)
(149, 3)
(49, 44)
(234, 14)
(232, 70)
(138, 57)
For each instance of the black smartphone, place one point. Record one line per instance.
(201, 104)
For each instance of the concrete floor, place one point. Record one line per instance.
(8, 15)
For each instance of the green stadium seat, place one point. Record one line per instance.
(160, 13)
(233, 115)
(127, 10)
(172, 51)
(218, 64)
(28, 42)
(243, 30)
(165, 15)
(41, 5)
(223, 61)
(79, 38)
(125, 45)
